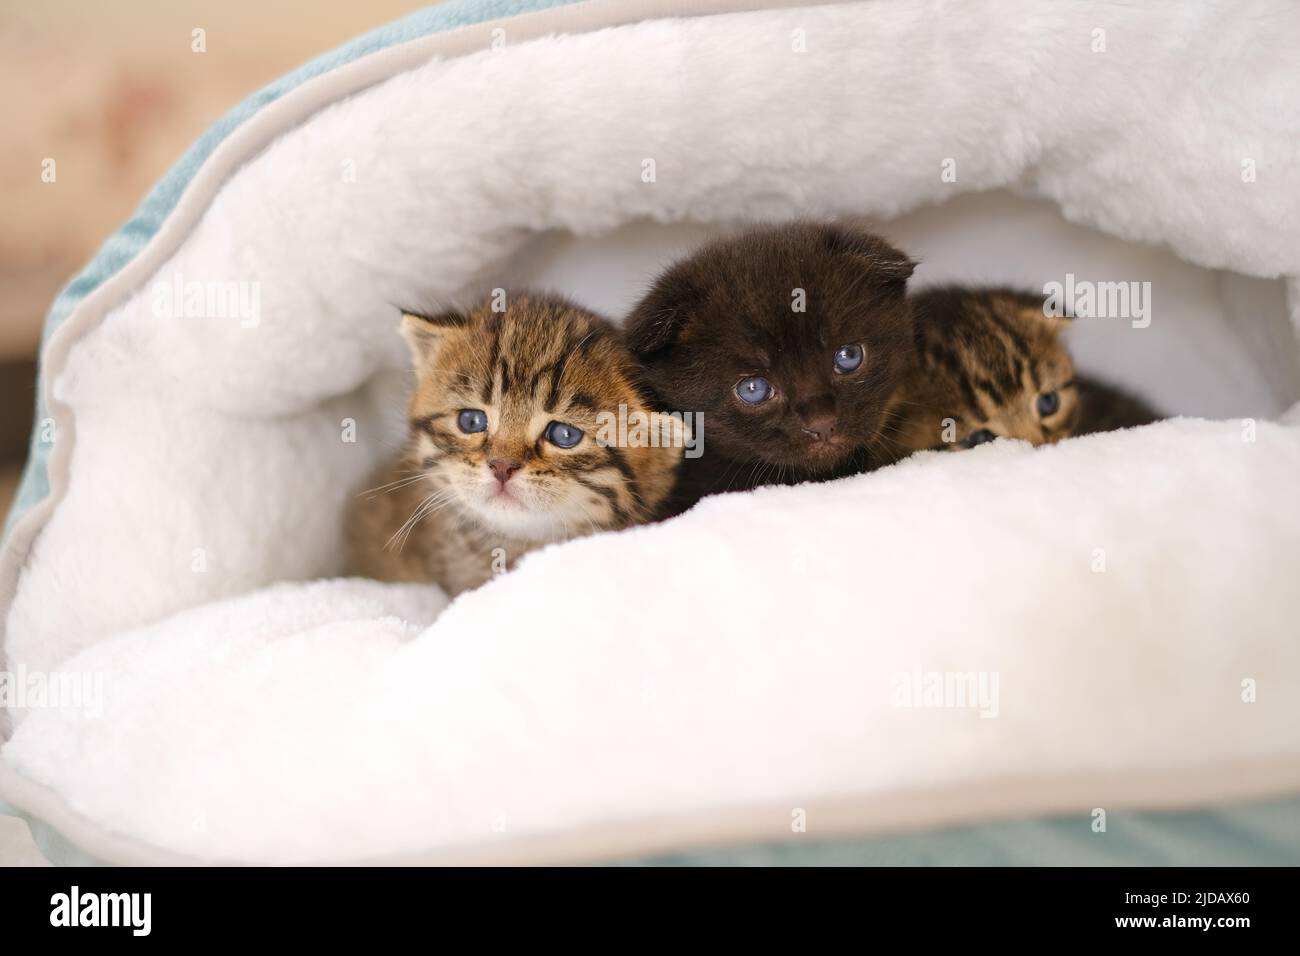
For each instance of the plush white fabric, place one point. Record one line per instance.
(745, 654)
(742, 653)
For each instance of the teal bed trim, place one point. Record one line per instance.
(125, 244)
(1249, 834)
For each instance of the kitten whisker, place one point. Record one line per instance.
(391, 486)
(432, 503)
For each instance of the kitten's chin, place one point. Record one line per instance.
(806, 458)
(820, 458)
(512, 518)
(527, 513)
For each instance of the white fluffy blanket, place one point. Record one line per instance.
(758, 656)
(766, 654)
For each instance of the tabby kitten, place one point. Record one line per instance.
(989, 363)
(790, 339)
(503, 455)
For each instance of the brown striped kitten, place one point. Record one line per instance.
(503, 455)
(989, 363)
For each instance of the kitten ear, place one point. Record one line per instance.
(656, 322)
(896, 268)
(424, 334)
(891, 264)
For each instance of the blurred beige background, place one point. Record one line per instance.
(113, 93)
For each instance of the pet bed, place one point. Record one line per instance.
(751, 681)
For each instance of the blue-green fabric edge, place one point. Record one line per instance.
(1264, 833)
(52, 844)
(125, 244)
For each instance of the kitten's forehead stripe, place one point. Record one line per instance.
(991, 390)
(557, 376)
(494, 325)
(953, 367)
(535, 380)
(1008, 382)
(1018, 341)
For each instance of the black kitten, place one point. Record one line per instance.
(790, 339)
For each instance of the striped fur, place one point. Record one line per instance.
(982, 358)
(540, 360)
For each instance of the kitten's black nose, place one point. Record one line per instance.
(503, 468)
(821, 428)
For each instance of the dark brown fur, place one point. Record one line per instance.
(726, 313)
(1107, 408)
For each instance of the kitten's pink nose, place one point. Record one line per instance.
(503, 468)
(821, 428)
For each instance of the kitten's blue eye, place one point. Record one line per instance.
(562, 435)
(1048, 403)
(978, 438)
(755, 391)
(472, 420)
(848, 358)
